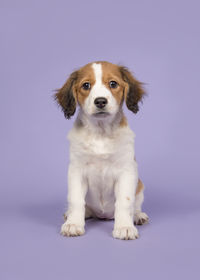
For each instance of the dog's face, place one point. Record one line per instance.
(100, 89)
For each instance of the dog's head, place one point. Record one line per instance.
(100, 89)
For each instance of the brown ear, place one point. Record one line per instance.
(133, 92)
(65, 96)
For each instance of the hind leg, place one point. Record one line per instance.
(140, 217)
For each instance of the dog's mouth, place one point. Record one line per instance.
(101, 114)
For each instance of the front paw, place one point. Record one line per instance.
(72, 230)
(126, 233)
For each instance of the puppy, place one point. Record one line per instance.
(102, 175)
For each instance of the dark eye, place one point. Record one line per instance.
(113, 84)
(86, 86)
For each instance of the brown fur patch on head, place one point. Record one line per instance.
(134, 91)
(86, 74)
(128, 86)
(111, 73)
(72, 91)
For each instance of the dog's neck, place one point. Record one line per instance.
(104, 126)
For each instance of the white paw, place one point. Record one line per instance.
(72, 230)
(140, 218)
(125, 233)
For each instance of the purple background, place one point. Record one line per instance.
(42, 42)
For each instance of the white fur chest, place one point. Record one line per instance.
(96, 146)
(100, 159)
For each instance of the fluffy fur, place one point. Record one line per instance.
(102, 175)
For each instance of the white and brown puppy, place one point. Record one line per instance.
(102, 176)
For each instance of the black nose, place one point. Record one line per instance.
(100, 102)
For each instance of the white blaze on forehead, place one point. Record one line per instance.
(97, 72)
(99, 89)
